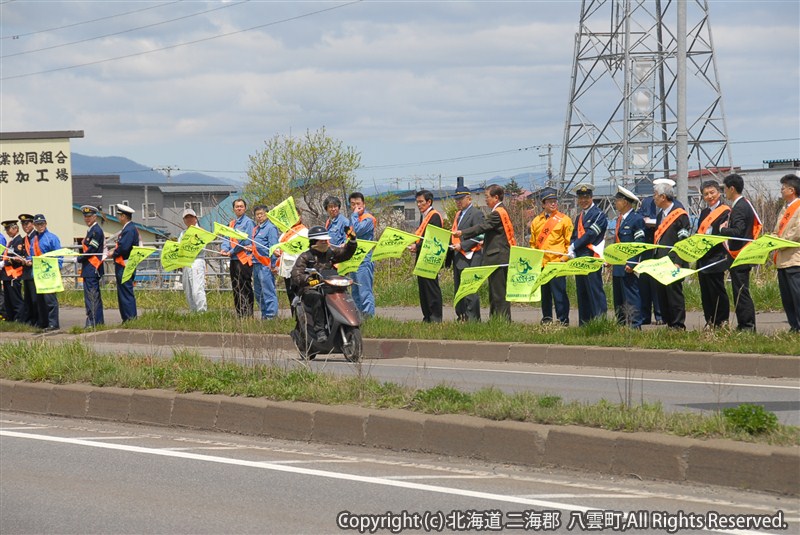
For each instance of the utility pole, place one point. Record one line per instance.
(168, 171)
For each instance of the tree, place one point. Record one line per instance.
(309, 168)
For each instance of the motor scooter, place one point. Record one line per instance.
(342, 319)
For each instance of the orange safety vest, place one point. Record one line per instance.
(243, 257)
(667, 222)
(422, 226)
(264, 260)
(508, 227)
(756, 231)
(787, 215)
(582, 231)
(552, 221)
(457, 240)
(13, 272)
(366, 215)
(713, 216)
(93, 260)
(36, 249)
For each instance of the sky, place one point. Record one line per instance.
(425, 91)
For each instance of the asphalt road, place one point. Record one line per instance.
(73, 476)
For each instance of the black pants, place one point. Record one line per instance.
(716, 306)
(314, 301)
(242, 286)
(498, 306)
(12, 292)
(627, 303)
(742, 301)
(648, 293)
(469, 308)
(789, 284)
(673, 305)
(47, 305)
(430, 299)
(555, 291)
(29, 313)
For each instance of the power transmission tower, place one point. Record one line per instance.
(622, 114)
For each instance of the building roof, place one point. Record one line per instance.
(176, 188)
(55, 134)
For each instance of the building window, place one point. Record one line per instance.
(125, 203)
(411, 214)
(149, 210)
(196, 206)
(112, 210)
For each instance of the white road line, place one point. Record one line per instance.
(316, 473)
(588, 376)
(25, 428)
(207, 448)
(435, 476)
(579, 496)
(320, 461)
(109, 438)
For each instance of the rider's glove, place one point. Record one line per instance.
(351, 235)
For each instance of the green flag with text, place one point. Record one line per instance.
(471, 280)
(61, 252)
(137, 255)
(170, 256)
(758, 251)
(228, 232)
(524, 267)
(363, 249)
(294, 247)
(434, 250)
(694, 247)
(284, 215)
(392, 244)
(618, 254)
(663, 270)
(194, 240)
(46, 275)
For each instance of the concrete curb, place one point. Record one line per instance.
(646, 455)
(752, 365)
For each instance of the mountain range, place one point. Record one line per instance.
(131, 172)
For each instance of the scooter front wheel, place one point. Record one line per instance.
(352, 345)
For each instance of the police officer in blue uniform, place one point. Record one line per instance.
(588, 239)
(11, 273)
(128, 238)
(625, 284)
(47, 303)
(28, 312)
(92, 268)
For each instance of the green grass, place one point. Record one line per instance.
(187, 371)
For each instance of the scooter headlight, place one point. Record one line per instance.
(339, 282)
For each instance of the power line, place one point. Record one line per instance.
(455, 159)
(187, 43)
(226, 6)
(18, 35)
(763, 141)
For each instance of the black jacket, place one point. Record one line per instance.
(496, 248)
(740, 224)
(718, 252)
(320, 261)
(677, 231)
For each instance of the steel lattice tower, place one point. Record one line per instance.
(621, 115)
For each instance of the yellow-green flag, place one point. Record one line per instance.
(758, 251)
(60, 252)
(663, 270)
(192, 242)
(577, 266)
(137, 255)
(471, 280)
(295, 246)
(228, 232)
(524, 267)
(2, 248)
(434, 250)
(171, 256)
(618, 254)
(284, 215)
(392, 244)
(364, 247)
(46, 275)
(694, 247)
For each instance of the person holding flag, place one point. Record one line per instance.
(265, 235)
(716, 306)
(194, 275)
(788, 260)
(92, 247)
(465, 253)
(28, 312)
(127, 239)
(364, 224)
(742, 223)
(552, 231)
(672, 225)
(588, 239)
(498, 237)
(47, 303)
(241, 263)
(430, 293)
(11, 271)
(624, 283)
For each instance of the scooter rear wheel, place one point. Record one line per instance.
(354, 347)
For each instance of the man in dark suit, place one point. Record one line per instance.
(28, 312)
(625, 284)
(588, 239)
(672, 225)
(716, 307)
(430, 293)
(498, 237)
(742, 223)
(466, 253)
